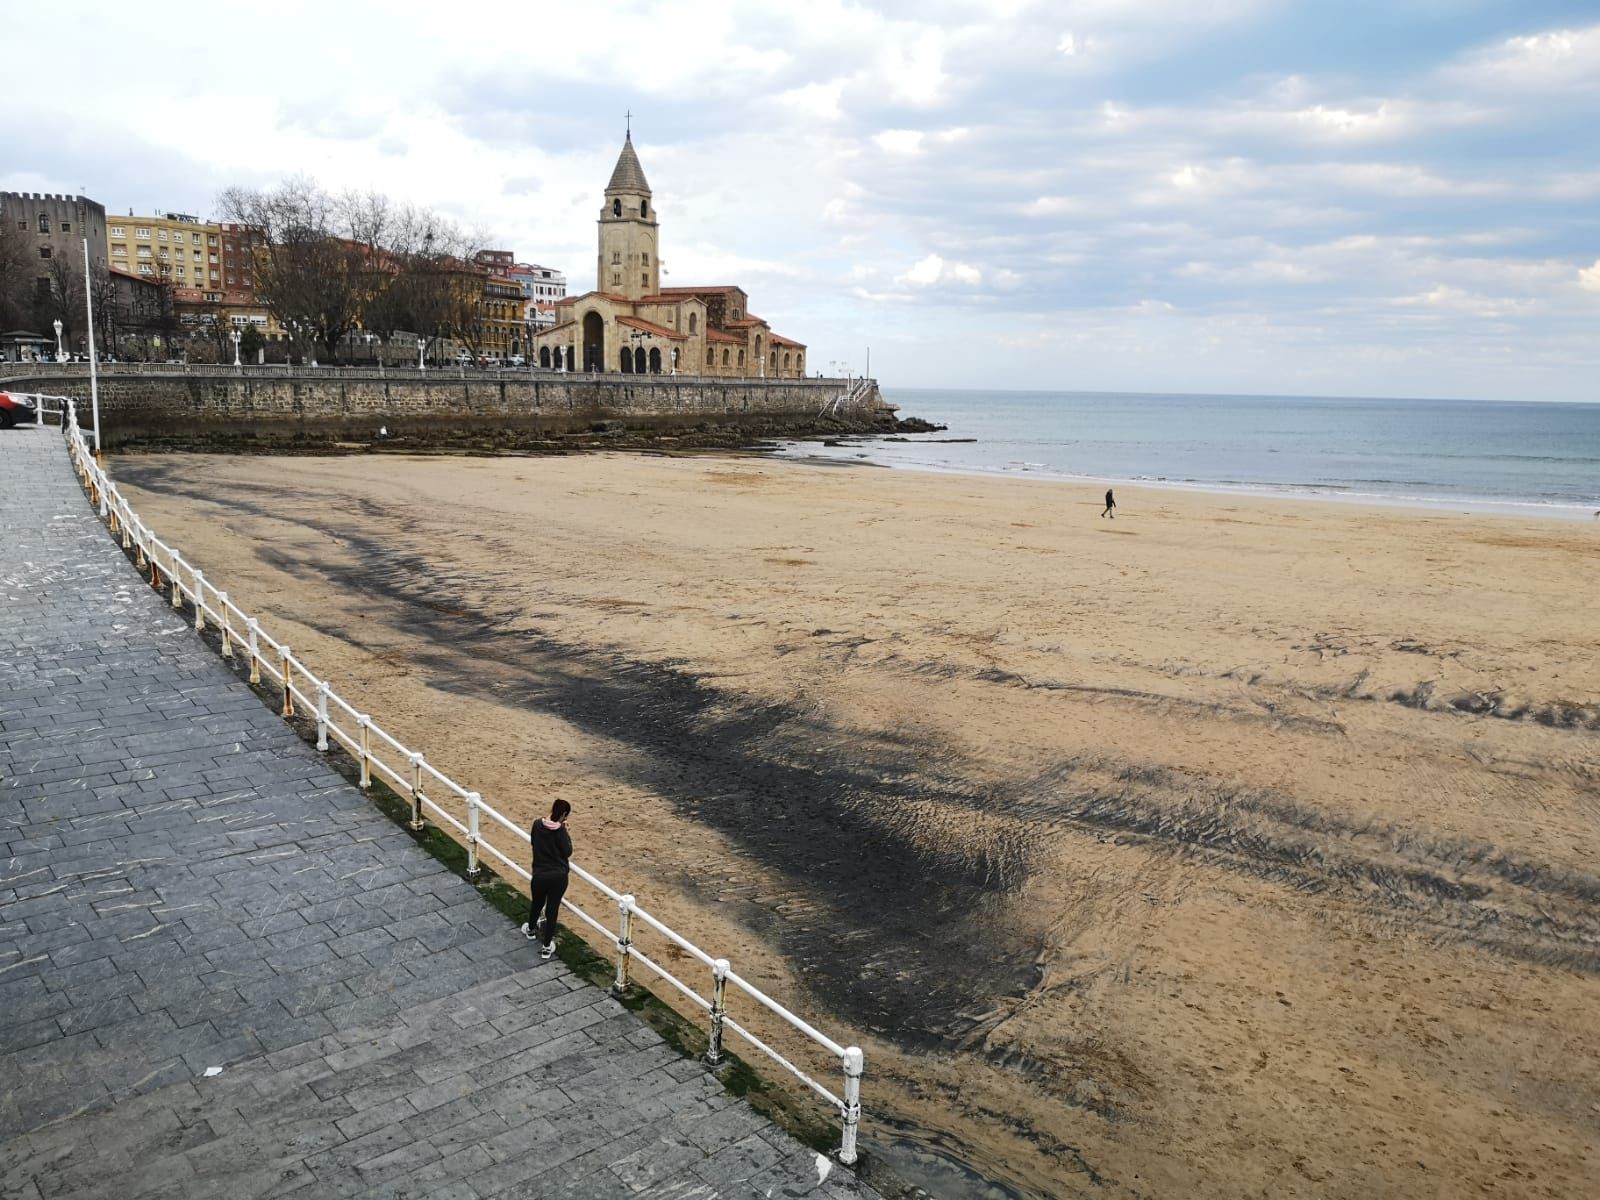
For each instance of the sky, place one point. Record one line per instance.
(1395, 198)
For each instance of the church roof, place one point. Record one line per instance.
(716, 335)
(651, 327)
(629, 175)
(779, 340)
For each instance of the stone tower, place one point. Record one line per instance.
(628, 263)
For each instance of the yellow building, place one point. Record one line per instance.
(175, 249)
(631, 324)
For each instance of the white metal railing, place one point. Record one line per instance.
(380, 754)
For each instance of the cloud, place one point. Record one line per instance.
(1553, 60)
(1589, 277)
(935, 270)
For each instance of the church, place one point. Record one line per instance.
(633, 325)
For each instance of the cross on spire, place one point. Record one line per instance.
(629, 117)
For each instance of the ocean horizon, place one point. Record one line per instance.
(1533, 457)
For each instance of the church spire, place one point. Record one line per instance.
(628, 175)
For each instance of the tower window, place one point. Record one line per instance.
(644, 208)
(616, 208)
(616, 278)
(44, 222)
(692, 320)
(616, 257)
(644, 258)
(644, 279)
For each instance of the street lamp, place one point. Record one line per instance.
(235, 337)
(422, 349)
(61, 355)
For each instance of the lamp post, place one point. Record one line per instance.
(236, 337)
(422, 349)
(674, 360)
(61, 355)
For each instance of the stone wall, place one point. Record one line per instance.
(322, 405)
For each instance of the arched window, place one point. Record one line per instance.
(655, 360)
(773, 365)
(644, 208)
(711, 357)
(544, 356)
(616, 208)
(644, 258)
(741, 357)
(785, 362)
(724, 358)
(692, 320)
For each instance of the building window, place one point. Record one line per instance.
(66, 227)
(146, 269)
(44, 222)
(116, 231)
(211, 239)
(724, 358)
(162, 234)
(142, 233)
(195, 238)
(616, 208)
(644, 259)
(44, 251)
(616, 279)
(644, 279)
(144, 251)
(119, 252)
(711, 356)
(692, 321)
(741, 358)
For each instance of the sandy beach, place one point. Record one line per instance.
(1232, 847)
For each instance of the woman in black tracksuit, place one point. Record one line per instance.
(552, 847)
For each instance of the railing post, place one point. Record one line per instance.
(127, 536)
(199, 602)
(417, 823)
(473, 800)
(322, 716)
(364, 722)
(288, 683)
(850, 1114)
(227, 638)
(176, 579)
(719, 1010)
(254, 627)
(624, 945)
(139, 560)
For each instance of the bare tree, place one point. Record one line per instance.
(315, 269)
(16, 278)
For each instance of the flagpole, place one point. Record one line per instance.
(94, 377)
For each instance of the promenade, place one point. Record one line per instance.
(224, 974)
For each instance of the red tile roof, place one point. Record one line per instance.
(716, 335)
(779, 340)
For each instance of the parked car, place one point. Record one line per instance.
(516, 360)
(15, 410)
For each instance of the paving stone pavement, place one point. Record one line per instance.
(186, 885)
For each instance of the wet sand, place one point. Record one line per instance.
(1234, 847)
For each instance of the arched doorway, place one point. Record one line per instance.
(544, 356)
(625, 361)
(655, 360)
(594, 342)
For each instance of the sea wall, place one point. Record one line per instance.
(218, 407)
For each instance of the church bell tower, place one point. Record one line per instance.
(628, 264)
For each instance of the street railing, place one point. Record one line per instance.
(433, 794)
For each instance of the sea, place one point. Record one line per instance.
(1526, 457)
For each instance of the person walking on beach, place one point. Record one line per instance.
(1111, 504)
(552, 847)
